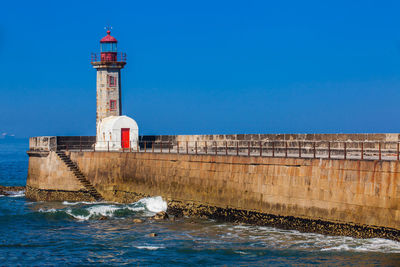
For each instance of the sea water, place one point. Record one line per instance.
(61, 233)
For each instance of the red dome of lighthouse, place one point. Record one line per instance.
(108, 51)
(108, 38)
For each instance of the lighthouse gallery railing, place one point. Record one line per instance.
(119, 57)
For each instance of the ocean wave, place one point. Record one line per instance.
(293, 239)
(92, 210)
(367, 245)
(48, 211)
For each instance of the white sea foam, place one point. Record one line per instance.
(16, 193)
(76, 203)
(367, 245)
(48, 211)
(149, 247)
(273, 237)
(135, 208)
(154, 204)
(103, 210)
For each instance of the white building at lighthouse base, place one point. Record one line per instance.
(115, 133)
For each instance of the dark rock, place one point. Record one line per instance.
(12, 188)
(153, 235)
(5, 189)
(102, 218)
(160, 216)
(283, 222)
(4, 193)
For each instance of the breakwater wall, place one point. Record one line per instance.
(336, 196)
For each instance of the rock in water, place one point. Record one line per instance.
(3, 193)
(160, 216)
(102, 218)
(152, 234)
(137, 221)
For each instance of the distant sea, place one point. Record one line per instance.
(70, 233)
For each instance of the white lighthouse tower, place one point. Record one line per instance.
(114, 131)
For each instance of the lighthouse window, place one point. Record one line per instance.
(112, 81)
(108, 47)
(113, 104)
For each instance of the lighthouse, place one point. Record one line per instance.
(113, 130)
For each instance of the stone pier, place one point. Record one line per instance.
(332, 196)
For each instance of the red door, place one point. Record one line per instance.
(125, 137)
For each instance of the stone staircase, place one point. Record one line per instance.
(73, 167)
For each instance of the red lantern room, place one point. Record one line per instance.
(108, 48)
(108, 51)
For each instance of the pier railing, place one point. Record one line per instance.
(289, 149)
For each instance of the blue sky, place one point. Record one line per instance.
(204, 67)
